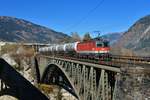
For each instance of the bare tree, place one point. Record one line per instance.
(87, 37)
(75, 36)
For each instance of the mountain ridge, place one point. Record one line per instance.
(112, 37)
(15, 30)
(137, 37)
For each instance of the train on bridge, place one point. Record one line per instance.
(97, 48)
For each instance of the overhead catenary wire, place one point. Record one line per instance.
(86, 16)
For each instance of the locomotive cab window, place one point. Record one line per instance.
(106, 44)
(102, 44)
(99, 44)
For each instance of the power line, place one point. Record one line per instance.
(85, 17)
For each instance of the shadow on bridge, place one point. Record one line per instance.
(53, 75)
(13, 84)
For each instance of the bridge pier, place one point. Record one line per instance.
(133, 83)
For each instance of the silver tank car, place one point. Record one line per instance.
(60, 47)
(71, 46)
(44, 49)
(50, 48)
(53, 48)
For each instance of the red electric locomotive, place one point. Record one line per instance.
(95, 48)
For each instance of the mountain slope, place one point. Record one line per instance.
(19, 30)
(137, 38)
(112, 37)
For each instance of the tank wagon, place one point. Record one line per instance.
(95, 48)
(60, 48)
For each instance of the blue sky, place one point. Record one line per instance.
(76, 16)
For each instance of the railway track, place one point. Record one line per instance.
(137, 58)
(116, 61)
(131, 59)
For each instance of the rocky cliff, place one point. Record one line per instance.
(137, 38)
